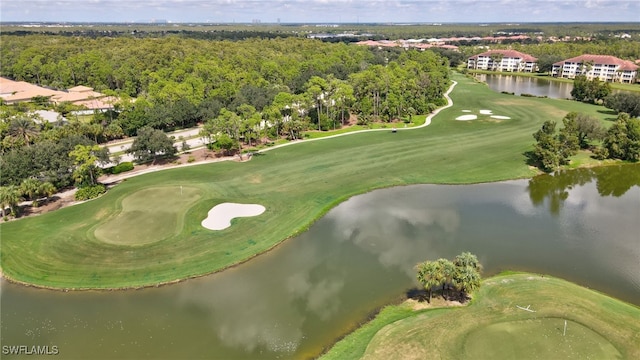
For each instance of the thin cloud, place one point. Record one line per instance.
(321, 10)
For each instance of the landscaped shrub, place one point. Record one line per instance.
(90, 192)
(600, 153)
(122, 167)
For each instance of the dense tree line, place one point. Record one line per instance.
(579, 131)
(626, 102)
(196, 68)
(622, 140)
(386, 31)
(245, 92)
(591, 91)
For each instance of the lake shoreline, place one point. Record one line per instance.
(494, 177)
(547, 77)
(362, 337)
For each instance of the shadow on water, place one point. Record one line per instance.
(610, 181)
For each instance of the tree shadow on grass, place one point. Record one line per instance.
(531, 159)
(421, 295)
(609, 112)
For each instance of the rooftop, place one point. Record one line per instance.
(507, 53)
(602, 60)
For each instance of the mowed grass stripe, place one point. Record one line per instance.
(296, 184)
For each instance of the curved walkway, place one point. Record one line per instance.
(427, 121)
(117, 178)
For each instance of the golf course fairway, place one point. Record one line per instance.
(492, 326)
(76, 247)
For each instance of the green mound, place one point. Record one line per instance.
(539, 338)
(148, 215)
(494, 326)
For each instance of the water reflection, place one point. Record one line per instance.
(296, 300)
(610, 181)
(527, 85)
(389, 229)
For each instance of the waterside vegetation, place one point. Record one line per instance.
(512, 315)
(297, 184)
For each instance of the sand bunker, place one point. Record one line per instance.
(485, 112)
(467, 117)
(219, 217)
(466, 110)
(500, 117)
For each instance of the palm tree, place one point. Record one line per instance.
(467, 279)
(428, 275)
(23, 128)
(467, 259)
(467, 273)
(446, 271)
(47, 189)
(9, 196)
(31, 188)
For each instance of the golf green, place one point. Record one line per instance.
(148, 215)
(92, 245)
(544, 337)
(511, 316)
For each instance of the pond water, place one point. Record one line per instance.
(299, 298)
(527, 85)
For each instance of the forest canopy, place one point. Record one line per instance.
(251, 91)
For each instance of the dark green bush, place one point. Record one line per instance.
(90, 192)
(122, 167)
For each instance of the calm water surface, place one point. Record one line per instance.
(296, 300)
(527, 85)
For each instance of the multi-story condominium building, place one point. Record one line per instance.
(603, 67)
(503, 60)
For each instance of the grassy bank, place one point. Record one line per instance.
(492, 327)
(297, 184)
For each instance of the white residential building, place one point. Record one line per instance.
(503, 60)
(603, 67)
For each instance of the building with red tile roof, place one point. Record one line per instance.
(417, 44)
(603, 67)
(503, 60)
(20, 91)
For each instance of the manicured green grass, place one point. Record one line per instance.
(297, 184)
(148, 215)
(538, 338)
(417, 120)
(492, 327)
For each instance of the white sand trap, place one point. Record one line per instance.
(485, 112)
(500, 117)
(466, 110)
(467, 117)
(219, 217)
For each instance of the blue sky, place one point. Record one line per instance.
(321, 11)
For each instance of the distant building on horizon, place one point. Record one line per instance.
(603, 67)
(406, 44)
(503, 60)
